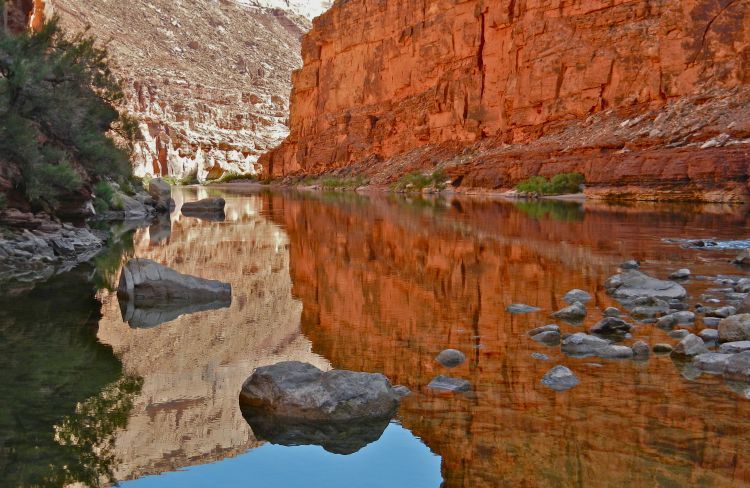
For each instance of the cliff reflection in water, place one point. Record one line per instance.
(386, 284)
(192, 367)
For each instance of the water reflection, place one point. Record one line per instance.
(387, 285)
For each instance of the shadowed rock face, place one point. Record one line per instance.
(633, 94)
(387, 284)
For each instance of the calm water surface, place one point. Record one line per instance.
(379, 284)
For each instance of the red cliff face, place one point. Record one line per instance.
(640, 95)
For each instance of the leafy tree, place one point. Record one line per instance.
(59, 103)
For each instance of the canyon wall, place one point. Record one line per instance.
(208, 81)
(641, 96)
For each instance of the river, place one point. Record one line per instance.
(377, 283)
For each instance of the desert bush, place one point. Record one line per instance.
(560, 184)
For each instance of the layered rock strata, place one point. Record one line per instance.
(648, 99)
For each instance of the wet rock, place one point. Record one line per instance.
(577, 295)
(610, 325)
(662, 348)
(712, 322)
(743, 258)
(296, 390)
(722, 312)
(611, 312)
(744, 306)
(641, 351)
(581, 345)
(160, 190)
(518, 308)
(446, 383)
(573, 313)
(450, 358)
(151, 282)
(711, 362)
(734, 347)
(737, 367)
(615, 352)
(678, 306)
(676, 318)
(633, 284)
(544, 328)
(680, 274)
(630, 264)
(742, 286)
(648, 307)
(401, 391)
(691, 345)
(560, 378)
(540, 356)
(679, 334)
(709, 335)
(735, 328)
(548, 338)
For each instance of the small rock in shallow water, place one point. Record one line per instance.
(401, 391)
(544, 328)
(450, 358)
(630, 264)
(641, 351)
(737, 367)
(560, 378)
(735, 347)
(662, 348)
(540, 356)
(711, 362)
(744, 306)
(743, 258)
(676, 318)
(722, 312)
(610, 325)
(611, 312)
(634, 284)
(735, 328)
(581, 344)
(615, 352)
(712, 322)
(691, 345)
(573, 313)
(446, 383)
(679, 334)
(709, 335)
(549, 338)
(743, 286)
(521, 308)
(577, 295)
(680, 274)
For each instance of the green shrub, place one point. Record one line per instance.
(417, 181)
(560, 184)
(58, 101)
(234, 176)
(106, 197)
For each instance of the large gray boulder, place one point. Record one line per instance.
(150, 284)
(582, 345)
(735, 328)
(295, 390)
(633, 284)
(159, 190)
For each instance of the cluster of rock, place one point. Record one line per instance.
(294, 403)
(722, 347)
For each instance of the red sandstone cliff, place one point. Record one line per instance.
(641, 96)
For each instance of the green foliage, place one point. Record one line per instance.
(335, 182)
(233, 176)
(106, 197)
(417, 181)
(560, 184)
(58, 101)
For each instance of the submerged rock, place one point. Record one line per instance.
(560, 378)
(572, 313)
(446, 383)
(735, 328)
(521, 308)
(450, 358)
(691, 345)
(577, 295)
(633, 284)
(295, 390)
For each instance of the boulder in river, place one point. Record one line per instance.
(450, 358)
(160, 190)
(737, 367)
(560, 378)
(709, 335)
(735, 328)
(744, 306)
(630, 264)
(615, 352)
(676, 318)
(680, 274)
(577, 295)
(295, 390)
(612, 312)
(743, 258)
(662, 348)
(610, 326)
(633, 284)
(641, 351)
(572, 313)
(711, 362)
(690, 346)
(517, 308)
(548, 338)
(446, 383)
(721, 312)
(544, 328)
(648, 307)
(742, 286)
(734, 347)
(207, 209)
(582, 345)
